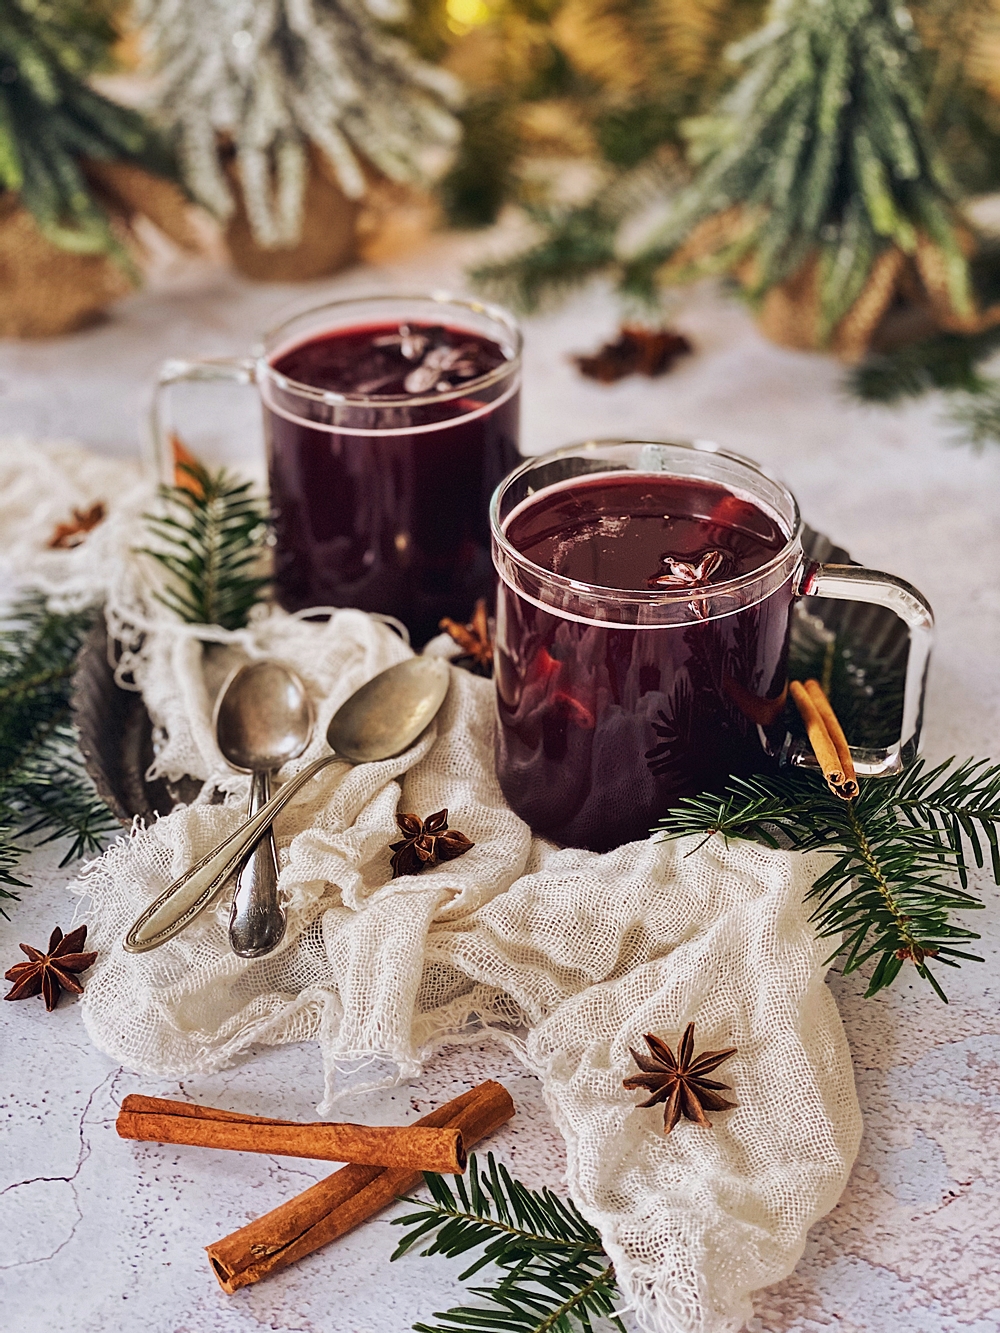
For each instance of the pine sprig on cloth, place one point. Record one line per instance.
(556, 1277)
(43, 785)
(897, 849)
(210, 537)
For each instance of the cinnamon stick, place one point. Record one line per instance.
(836, 734)
(158, 1120)
(334, 1206)
(823, 746)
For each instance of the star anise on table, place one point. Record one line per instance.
(473, 639)
(425, 842)
(681, 1082)
(636, 350)
(52, 972)
(681, 574)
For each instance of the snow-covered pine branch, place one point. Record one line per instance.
(273, 77)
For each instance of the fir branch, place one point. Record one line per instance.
(977, 414)
(210, 540)
(556, 1276)
(946, 361)
(43, 785)
(886, 891)
(577, 243)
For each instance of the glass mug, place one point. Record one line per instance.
(614, 702)
(379, 500)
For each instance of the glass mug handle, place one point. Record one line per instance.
(851, 583)
(230, 370)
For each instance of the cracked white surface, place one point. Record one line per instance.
(98, 1235)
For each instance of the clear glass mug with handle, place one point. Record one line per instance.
(615, 702)
(379, 499)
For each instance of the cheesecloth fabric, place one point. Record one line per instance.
(568, 955)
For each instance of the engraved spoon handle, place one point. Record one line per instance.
(257, 922)
(178, 906)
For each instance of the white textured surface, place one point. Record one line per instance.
(103, 1235)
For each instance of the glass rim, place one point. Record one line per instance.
(633, 596)
(331, 397)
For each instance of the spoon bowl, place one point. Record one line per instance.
(263, 717)
(388, 713)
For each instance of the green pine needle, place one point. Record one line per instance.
(978, 417)
(44, 788)
(555, 1276)
(946, 361)
(210, 538)
(898, 849)
(576, 243)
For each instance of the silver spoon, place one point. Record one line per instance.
(263, 718)
(381, 719)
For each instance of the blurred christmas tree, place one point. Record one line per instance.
(55, 129)
(604, 80)
(818, 185)
(266, 99)
(75, 169)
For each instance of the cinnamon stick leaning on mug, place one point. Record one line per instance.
(416, 1147)
(826, 736)
(334, 1206)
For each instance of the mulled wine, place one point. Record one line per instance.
(642, 642)
(386, 438)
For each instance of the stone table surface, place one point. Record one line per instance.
(101, 1235)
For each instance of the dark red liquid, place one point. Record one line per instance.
(604, 728)
(395, 520)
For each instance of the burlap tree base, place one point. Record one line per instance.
(45, 290)
(904, 300)
(328, 241)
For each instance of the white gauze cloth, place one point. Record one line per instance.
(571, 956)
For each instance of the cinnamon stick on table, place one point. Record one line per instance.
(415, 1147)
(342, 1201)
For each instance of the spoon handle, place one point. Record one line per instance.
(257, 922)
(178, 906)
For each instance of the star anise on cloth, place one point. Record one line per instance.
(425, 842)
(74, 533)
(474, 640)
(681, 1082)
(680, 574)
(52, 972)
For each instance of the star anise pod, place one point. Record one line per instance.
(681, 574)
(51, 972)
(636, 350)
(425, 842)
(74, 533)
(474, 640)
(681, 1083)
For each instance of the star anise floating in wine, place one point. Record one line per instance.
(682, 574)
(52, 972)
(681, 1082)
(426, 842)
(474, 640)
